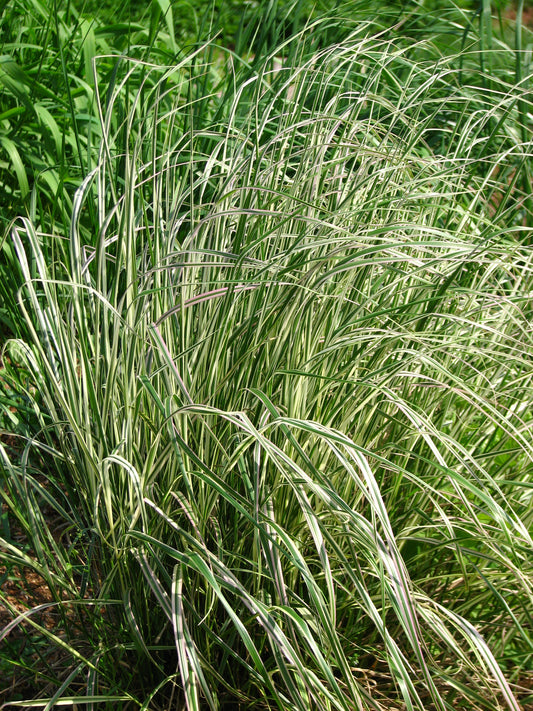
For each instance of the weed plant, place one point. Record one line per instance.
(276, 386)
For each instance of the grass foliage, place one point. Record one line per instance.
(270, 375)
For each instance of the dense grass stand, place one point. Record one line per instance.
(267, 370)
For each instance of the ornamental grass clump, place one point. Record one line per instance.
(278, 389)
